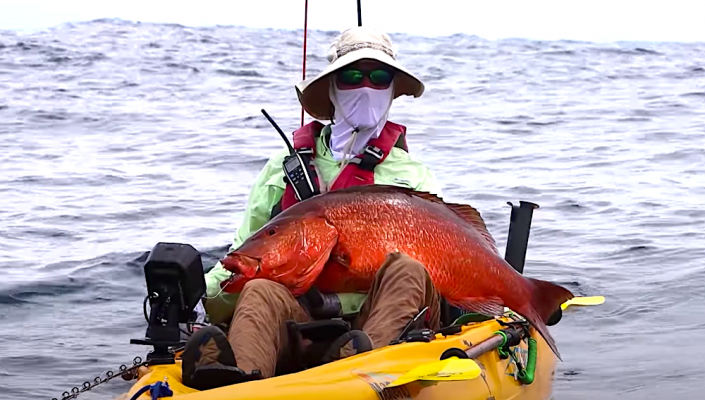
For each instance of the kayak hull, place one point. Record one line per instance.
(365, 376)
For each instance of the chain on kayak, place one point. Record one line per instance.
(123, 371)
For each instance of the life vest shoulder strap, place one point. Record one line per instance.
(360, 171)
(377, 150)
(305, 137)
(401, 137)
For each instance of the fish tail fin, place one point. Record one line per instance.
(546, 299)
(533, 317)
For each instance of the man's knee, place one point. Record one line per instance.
(261, 284)
(262, 289)
(398, 264)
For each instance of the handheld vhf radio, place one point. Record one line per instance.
(297, 168)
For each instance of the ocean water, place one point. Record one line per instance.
(117, 135)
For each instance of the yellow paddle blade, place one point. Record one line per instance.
(450, 369)
(583, 301)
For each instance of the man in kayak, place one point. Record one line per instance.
(360, 146)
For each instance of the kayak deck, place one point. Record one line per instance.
(365, 376)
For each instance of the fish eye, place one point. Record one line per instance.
(271, 232)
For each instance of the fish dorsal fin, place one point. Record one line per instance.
(472, 216)
(464, 211)
(468, 213)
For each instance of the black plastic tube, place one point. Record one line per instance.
(518, 240)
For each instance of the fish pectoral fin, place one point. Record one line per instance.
(490, 306)
(311, 274)
(341, 259)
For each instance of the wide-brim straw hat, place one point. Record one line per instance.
(350, 46)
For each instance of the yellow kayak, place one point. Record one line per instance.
(367, 375)
(498, 358)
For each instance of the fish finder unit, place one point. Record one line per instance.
(297, 168)
(175, 285)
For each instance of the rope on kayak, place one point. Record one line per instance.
(139, 392)
(157, 390)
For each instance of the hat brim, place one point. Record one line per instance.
(313, 93)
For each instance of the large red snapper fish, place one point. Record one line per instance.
(338, 240)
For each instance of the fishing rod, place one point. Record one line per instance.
(304, 62)
(359, 23)
(359, 13)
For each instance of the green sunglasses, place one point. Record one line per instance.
(378, 77)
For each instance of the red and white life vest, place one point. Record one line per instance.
(360, 169)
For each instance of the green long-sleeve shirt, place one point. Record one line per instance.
(397, 169)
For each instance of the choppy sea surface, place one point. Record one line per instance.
(117, 135)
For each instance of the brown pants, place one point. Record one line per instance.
(258, 334)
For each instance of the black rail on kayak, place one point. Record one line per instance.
(518, 240)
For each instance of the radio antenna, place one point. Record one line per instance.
(274, 124)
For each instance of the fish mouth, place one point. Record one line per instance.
(234, 284)
(243, 264)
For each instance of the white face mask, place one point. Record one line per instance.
(365, 109)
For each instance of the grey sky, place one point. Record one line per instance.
(595, 20)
